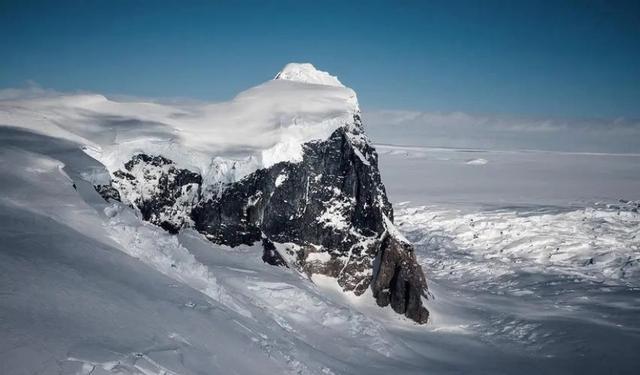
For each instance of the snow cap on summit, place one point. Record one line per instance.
(307, 73)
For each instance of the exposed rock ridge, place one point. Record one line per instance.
(328, 214)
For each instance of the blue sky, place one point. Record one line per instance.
(556, 58)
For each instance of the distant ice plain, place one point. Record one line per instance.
(535, 254)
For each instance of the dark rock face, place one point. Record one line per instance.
(108, 192)
(397, 274)
(328, 214)
(271, 255)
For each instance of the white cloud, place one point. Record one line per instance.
(449, 129)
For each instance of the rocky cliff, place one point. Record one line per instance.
(326, 213)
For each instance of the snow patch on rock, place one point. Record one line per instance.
(281, 179)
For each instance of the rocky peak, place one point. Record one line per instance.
(316, 202)
(327, 214)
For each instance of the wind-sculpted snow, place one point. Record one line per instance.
(258, 128)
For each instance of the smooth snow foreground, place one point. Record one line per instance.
(532, 259)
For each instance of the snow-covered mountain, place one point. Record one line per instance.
(256, 236)
(286, 163)
(282, 174)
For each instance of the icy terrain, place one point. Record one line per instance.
(536, 254)
(532, 257)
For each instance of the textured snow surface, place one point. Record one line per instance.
(599, 244)
(573, 215)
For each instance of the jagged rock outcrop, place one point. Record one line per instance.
(327, 214)
(163, 193)
(398, 279)
(332, 205)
